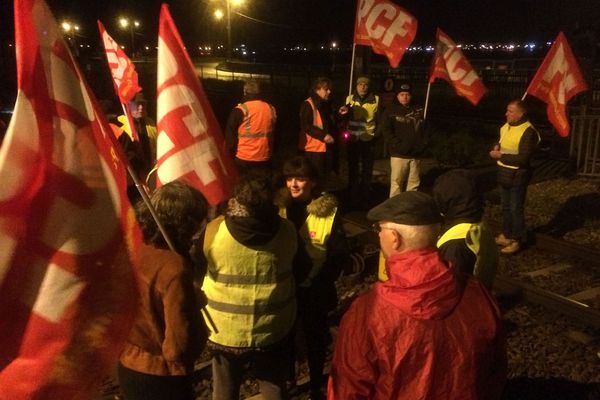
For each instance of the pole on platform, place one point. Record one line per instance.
(427, 100)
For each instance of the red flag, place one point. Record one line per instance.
(67, 231)
(125, 78)
(450, 64)
(386, 27)
(190, 146)
(122, 70)
(557, 80)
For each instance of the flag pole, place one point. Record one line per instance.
(524, 95)
(426, 100)
(351, 69)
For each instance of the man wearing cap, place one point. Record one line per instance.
(361, 110)
(249, 130)
(402, 127)
(421, 334)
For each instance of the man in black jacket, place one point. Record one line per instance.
(402, 128)
(513, 152)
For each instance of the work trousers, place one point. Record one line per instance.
(404, 175)
(139, 386)
(513, 212)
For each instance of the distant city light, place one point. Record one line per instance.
(219, 14)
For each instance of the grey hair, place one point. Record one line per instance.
(417, 236)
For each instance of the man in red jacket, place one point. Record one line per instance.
(421, 334)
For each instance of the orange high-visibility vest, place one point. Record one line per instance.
(255, 133)
(312, 144)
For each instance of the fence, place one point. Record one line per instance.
(585, 144)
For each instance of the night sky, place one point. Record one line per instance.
(323, 21)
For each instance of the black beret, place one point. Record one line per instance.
(407, 208)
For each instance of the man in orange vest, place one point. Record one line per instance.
(317, 126)
(249, 131)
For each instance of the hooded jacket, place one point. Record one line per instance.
(402, 128)
(419, 335)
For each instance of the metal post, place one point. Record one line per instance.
(229, 49)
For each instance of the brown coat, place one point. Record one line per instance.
(169, 333)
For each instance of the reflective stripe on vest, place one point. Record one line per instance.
(312, 144)
(250, 290)
(510, 137)
(362, 120)
(480, 241)
(255, 131)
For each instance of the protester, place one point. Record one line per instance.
(249, 132)
(320, 226)
(362, 110)
(466, 241)
(141, 153)
(318, 127)
(421, 334)
(250, 289)
(402, 127)
(158, 359)
(518, 140)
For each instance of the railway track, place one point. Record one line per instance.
(558, 275)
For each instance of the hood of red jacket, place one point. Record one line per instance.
(420, 285)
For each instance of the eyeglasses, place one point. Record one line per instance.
(377, 227)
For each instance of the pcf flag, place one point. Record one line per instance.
(190, 146)
(557, 80)
(68, 235)
(386, 27)
(122, 70)
(450, 64)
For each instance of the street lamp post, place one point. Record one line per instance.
(219, 15)
(71, 30)
(126, 23)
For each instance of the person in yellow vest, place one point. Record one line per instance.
(250, 289)
(249, 133)
(361, 109)
(317, 127)
(466, 241)
(319, 225)
(141, 153)
(513, 152)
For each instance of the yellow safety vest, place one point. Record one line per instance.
(314, 233)
(480, 241)
(250, 290)
(255, 131)
(510, 137)
(362, 118)
(309, 143)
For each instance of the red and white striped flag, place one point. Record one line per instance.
(386, 27)
(68, 235)
(190, 146)
(557, 80)
(450, 64)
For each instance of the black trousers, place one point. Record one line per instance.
(139, 386)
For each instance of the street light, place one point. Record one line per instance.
(219, 15)
(125, 23)
(70, 29)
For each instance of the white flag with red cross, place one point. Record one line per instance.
(68, 236)
(190, 145)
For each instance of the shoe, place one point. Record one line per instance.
(513, 247)
(503, 240)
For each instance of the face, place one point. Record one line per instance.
(137, 111)
(362, 88)
(300, 188)
(513, 113)
(404, 98)
(388, 238)
(323, 92)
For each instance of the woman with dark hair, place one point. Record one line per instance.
(169, 334)
(320, 227)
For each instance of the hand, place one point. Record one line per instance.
(495, 154)
(328, 139)
(343, 110)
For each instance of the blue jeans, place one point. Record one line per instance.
(513, 212)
